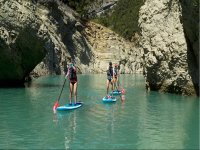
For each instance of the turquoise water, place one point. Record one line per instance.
(145, 120)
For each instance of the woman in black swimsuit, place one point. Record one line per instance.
(73, 82)
(109, 77)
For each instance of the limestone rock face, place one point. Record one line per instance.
(107, 47)
(22, 42)
(166, 60)
(65, 40)
(92, 47)
(39, 35)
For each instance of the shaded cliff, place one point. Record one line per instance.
(22, 43)
(39, 35)
(170, 56)
(190, 20)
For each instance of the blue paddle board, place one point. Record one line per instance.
(70, 106)
(109, 99)
(116, 92)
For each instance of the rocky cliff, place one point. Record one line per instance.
(22, 41)
(42, 35)
(92, 49)
(170, 56)
(91, 46)
(35, 31)
(49, 33)
(108, 46)
(66, 40)
(190, 20)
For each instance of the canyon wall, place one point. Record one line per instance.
(170, 63)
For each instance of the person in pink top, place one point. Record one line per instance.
(73, 82)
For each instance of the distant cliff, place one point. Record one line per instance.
(108, 46)
(169, 38)
(122, 18)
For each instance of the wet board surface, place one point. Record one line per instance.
(109, 99)
(70, 106)
(116, 92)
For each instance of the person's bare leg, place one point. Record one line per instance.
(70, 92)
(107, 86)
(118, 82)
(112, 88)
(75, 92)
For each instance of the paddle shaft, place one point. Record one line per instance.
(61, 90)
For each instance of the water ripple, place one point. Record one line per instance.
(143, 121)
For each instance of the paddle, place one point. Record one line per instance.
(57, 102)
(123, 91)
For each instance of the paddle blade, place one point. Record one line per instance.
(55, 106)
(123, 91)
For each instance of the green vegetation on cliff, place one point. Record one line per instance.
(124, 18)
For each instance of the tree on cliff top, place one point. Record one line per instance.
(124, 19)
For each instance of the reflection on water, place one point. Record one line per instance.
(67, 120)
(70, 127)
(143, 121)
(41, 85)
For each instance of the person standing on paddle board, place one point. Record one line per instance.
(116, 77)
(73, 82)
(109, 77)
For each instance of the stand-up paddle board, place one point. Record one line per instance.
(116, 92)
(109, 99)
(70, 106)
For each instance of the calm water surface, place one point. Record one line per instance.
(144, 121)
